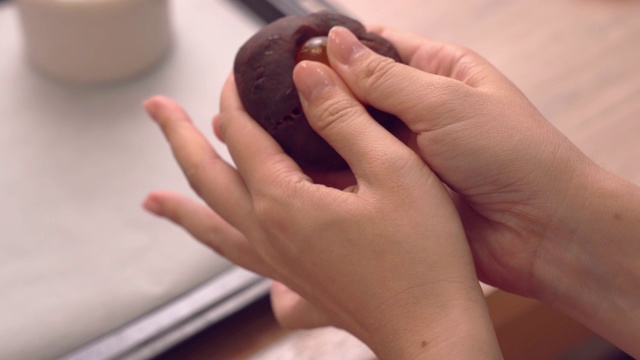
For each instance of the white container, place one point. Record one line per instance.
(95, 41)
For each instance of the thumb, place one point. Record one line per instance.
(336, 115)
(396, 88)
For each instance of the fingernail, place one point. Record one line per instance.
(313, 80)
(152, 205)
(343, 45)
(151, 108)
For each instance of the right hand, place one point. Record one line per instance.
(517, 180)
(387, 259)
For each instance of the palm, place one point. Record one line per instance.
(505, 203)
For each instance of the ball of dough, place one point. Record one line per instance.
(263, 71)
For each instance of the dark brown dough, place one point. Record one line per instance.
(263, 73)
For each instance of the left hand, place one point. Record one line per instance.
(204, 224)
(385, 259)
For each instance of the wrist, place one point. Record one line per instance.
(588, 268)
(453, 324)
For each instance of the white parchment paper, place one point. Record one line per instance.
(78, 255)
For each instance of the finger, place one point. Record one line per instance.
(231, 104)
(334, 113)
(442, 58)
(409, 93)
(207, 227)
(257, 155)
(209, 175)
(293, 311)
(406, 43)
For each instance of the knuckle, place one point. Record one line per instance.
(192, 173)
(195, 172)
(262, 208)
(269, 210)
(273, 221)
(400, 163)
(333, 112)
(264, 203)
(376, 71)
(277, 207)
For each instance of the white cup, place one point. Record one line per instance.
(95, 41)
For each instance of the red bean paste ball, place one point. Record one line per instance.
(263, 72)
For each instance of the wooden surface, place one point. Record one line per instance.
(577, 60)
(526, 330)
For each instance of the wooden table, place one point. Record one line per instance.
(577, 60)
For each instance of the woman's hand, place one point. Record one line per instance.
(542, 219)
(290, 309)
(510, 169)
(385, 259)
